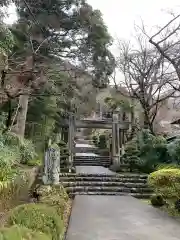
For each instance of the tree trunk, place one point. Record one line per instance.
(147, 122)
(24, 99)
(132, 124)
(22, 114)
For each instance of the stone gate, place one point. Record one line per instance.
(116, 124)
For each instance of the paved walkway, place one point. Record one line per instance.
(119, 218)
(93, 170)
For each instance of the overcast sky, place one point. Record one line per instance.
(121, 16)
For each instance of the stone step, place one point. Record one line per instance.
(105, 175)
(107, 189)
(102, 179)
(92, 158)
(108, 184)
(136, 195)
(91, 162)
(106, 164)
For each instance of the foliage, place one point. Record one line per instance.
(14, 149)
(146, 152)
(131, 155)
(114, 103)
(18, 233)
(37, 217)
(157, 200)
(27, 151)
(166, 182)
(177, 205)
(102, 144)
(13, 190)
(55, 197)
(174, 150)
(95, 140)
(35, 162)
(65, 40)
(6, 39)
(9, 155)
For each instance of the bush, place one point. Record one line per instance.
(34, 162)
(102, 142)
(18, 233)
(8, 158)
(13, 191)
(177, 205)
(166, 182)
(95, 140)
(146, 152)
(38, 217)
(131, 155)
(157, 200)
(153, 151)
(54, 197)
(174, 150)
(27, 151)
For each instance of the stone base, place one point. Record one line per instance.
(116, 161)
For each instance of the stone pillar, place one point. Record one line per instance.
(115, 140)
(46, 172)
(55, 166)
(71, 140)
(51, 166)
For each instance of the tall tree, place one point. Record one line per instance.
(167, 43)
(69, 30)
(145, 77)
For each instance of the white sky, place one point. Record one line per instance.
(121, 16)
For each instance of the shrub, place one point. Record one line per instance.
(166, 182)
(54, 197)
(38, 217)
(131, 155)
(7, 160)
(27, 151)
(95, 140)
(157, 200)
(11, 139)
(11, 192)
(34, 162)
(177, 205)
(146, 152)
(153, 151)
(174, 150)
(18, 233)
(102, 142)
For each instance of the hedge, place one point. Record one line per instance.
(38, 217)
(55, 197)
(19, 232)
(166, 182)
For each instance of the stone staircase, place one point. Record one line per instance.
(104, 184)
(104, 161)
